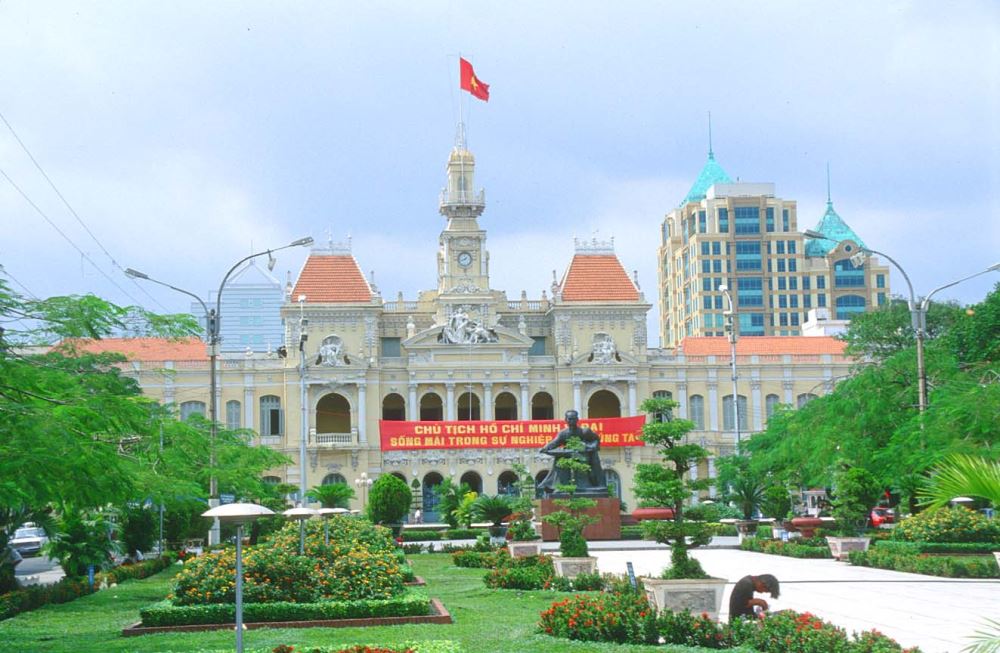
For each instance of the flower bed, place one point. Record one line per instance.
(479, 559)
(434, 646)
(164, 613)
(955, 524)
(622, 618)
(790, 549)
(923, 563)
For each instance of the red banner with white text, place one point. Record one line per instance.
(398, 436)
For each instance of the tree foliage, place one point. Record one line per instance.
(335, 495)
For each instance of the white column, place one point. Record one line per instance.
(362, 413)
(524, 401)
(713, 406)
(631, 398)
(412, 410)
(450, 409)
(711, 474)
(682, 399)
(248, 400)
(488, 401)
(788, 386)
(757, 406)
(693, 475)
(576, 397)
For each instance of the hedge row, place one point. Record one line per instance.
(922, 563)
(428, 534)
(893, 546)
(413, 603)
(789, 549)
(68, 589)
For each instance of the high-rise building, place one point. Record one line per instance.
(743, 237)
(251, 306)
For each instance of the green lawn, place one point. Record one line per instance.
(486, 621)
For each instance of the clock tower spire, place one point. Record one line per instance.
(463, 262)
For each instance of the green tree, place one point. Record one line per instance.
(855, 492)
(962, 475)
(449, 495)
(335, 495)
(82, 539)
(389, 500)
(662, 485)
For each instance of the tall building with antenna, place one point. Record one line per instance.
(743, 237)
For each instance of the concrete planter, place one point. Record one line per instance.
(694, 595)
(807, 525)
(523, 549)
(573, 567)
(840, 547)
(498, 534)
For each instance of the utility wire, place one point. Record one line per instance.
(73, 211)
(63, 234)
(4, 271)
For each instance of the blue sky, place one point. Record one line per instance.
(184, 133)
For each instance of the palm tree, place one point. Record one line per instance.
(331, 496)
(962, 475)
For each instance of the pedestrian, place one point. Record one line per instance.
(742, 602)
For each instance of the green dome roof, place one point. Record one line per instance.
(835, 229)
(712, 173)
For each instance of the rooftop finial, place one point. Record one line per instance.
(460, 136)
(829, 202)
(711, 154)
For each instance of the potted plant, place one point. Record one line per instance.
(571, 518)
(494, 510)
(388, 501)
(524, 539)
(776, 504)
(856, 491)
(684, 585)
(744, 488)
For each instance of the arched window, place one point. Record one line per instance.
(189, 408)
(771, 403)
(334, 479)
(850, 305)
(393, 408)
(667, 415)
(431, 409)
(473, 480)
(604, 403)
(696, 411)
(542, 406)
(505, 407)
(804, 399)
(614, 483)
(271, 480)
(234, 418)
(727, 412)
(333, 414)
(507, 483)
(271, 417)
(468, 407)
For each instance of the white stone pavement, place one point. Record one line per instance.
(937, 616)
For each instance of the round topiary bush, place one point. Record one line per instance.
(954, 524)
(389, 500)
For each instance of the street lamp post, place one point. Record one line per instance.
(300, 515)
(918, 312)
(213, 321)
(363, 482)
(730, 314)
(239, 514)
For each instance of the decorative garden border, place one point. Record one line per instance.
(439, 615)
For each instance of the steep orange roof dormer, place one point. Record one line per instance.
(595, 274)
(331, 277)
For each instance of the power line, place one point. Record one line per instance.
(73, 211)
(67, 238)
(4, 271)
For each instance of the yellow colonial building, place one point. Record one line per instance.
(466, 352)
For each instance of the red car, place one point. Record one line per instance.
(881, 515)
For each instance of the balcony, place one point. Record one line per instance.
(463, 198)
(335, 440)
(271, 440)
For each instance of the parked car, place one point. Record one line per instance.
(28, 540)
(882, 515)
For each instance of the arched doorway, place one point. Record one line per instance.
(431, 408)
(542, 406)
(473, 480)
(468, 407)
(334, 479)
(431, 481)
(333, 414)
(604, 403)
(507, 483)
(505, 407)
(393, 408)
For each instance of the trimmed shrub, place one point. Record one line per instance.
(692, 630)
(361, 574)
(922, 563)
(165, 614)
(789, 549)
(389, 499)
(519, 578)
(270, 574)
(622, 618)
(954, 524)
(631, 532)
(479, 559)
(423, 535)
(582, 583)
(463, 533)
(892, 546)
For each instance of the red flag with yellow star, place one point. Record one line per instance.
(471, 83)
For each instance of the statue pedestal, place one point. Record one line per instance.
(608, 528)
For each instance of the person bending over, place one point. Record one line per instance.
(742, 601)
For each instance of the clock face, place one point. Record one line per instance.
(465, 259)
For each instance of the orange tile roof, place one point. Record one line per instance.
(332, 278)
(147, 349)
(763, 345)
(597, 277)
